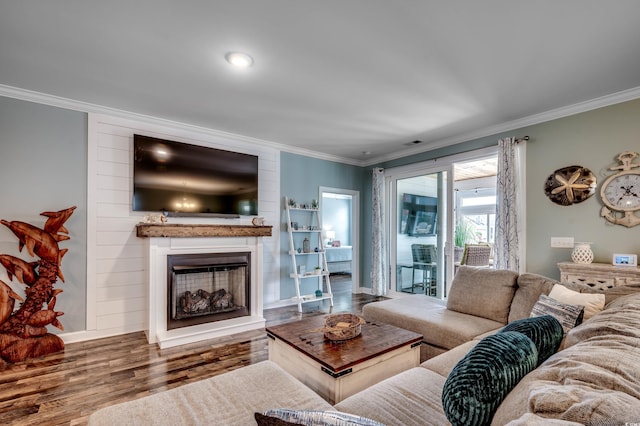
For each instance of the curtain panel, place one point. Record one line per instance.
(510, 213)
(379, 284)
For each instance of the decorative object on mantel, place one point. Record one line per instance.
(582, 253)
(570, 185)
(620, 192)
(155, 218)
(338, 327)
(23, 332)
(258, 221)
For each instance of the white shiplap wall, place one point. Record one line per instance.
(116, 276)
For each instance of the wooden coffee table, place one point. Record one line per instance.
(336, 370)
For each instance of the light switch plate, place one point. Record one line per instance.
(562, 242)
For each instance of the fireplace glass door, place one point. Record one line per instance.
(207, 288)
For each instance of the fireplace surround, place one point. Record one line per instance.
(169, 245)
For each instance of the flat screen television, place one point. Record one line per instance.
(182, 179)
(418, 215)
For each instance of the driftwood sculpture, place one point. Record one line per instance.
(23, 331)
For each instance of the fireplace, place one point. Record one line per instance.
(207, 287)
(219, 253)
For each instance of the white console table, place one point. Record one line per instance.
(598, 275)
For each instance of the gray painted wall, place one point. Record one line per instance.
(592, 139)
(43, 167)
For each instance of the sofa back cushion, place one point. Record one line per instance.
(530, 287)
(483, 292)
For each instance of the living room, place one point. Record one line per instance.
(74, 154)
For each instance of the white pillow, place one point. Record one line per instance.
(592, 302)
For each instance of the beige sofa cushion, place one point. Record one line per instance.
(596, 380)
(227, 399)
(530, 287)
(483, 292)
(593, 303)
(444, 363)
(413, 397)
(438, 325)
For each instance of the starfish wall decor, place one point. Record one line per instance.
(570, 185)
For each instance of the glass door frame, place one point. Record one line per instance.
(444, 268)
(442, 164)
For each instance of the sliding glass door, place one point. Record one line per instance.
(422, 214)
(418, 231)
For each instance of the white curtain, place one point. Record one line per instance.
(379, 285)
(510, 211)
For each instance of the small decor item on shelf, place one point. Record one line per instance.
(625, 259)
(314, 204)
(339, 327)
(306, 247)
(292, 202)
(258, 221)
(582, 253)
(318, 293)
(318, 270)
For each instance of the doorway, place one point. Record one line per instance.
(339, 212)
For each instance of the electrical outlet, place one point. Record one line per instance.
(562, 242)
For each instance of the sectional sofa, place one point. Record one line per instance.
(593, 379)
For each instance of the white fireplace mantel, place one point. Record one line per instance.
(228, 239)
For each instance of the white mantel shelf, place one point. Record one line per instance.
(179, 230)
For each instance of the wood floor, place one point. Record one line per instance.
(65, 388)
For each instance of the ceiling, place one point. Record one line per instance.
(355, 80)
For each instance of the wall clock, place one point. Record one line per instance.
(620, 192)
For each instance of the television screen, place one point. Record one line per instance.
(192, 180)
(419, 215)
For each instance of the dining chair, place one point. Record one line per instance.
(424, 260)
(476, 255)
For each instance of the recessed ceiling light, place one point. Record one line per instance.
(239, 59)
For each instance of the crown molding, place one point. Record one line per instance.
(61, 102)
(86, 107)
(554, 114)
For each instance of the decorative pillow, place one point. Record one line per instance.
(545, 331)
(568, 315)
(530, 287)
(483, 292)
(482, 379)
(286, 417)
(592, 302)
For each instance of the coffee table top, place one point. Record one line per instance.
(375, 340)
